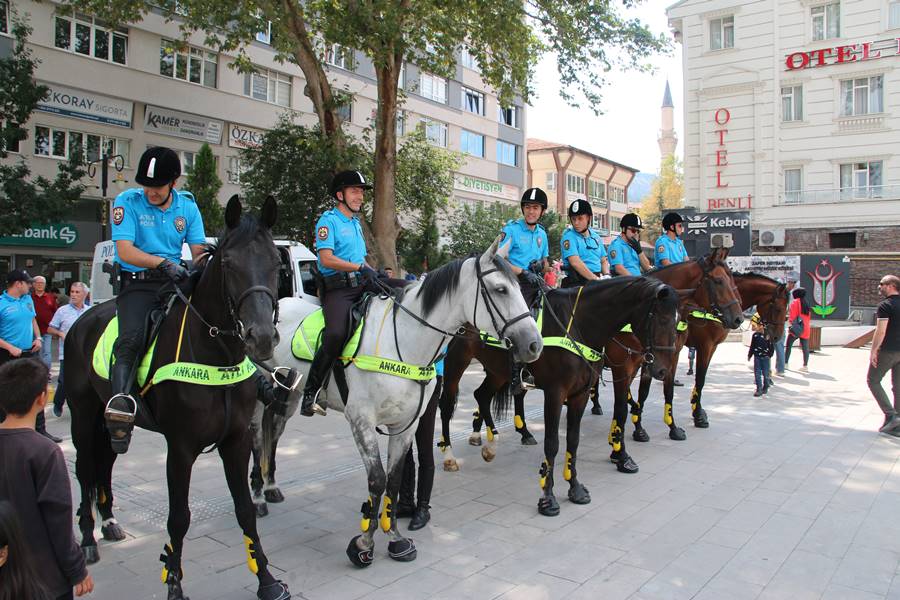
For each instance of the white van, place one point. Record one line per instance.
(295, 278)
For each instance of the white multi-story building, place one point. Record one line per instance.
(124, 89)
(791, 110)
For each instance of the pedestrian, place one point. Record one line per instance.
(18, 575)
(20, 336)
(59, 325)
(799, 317)
(885, 353)
(35, 480)
(389, 272)
(779, 343)
(761, 349)
(44, 307)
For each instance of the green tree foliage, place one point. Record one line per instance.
(667, 193)
(204, 183)
(474, 229)
(24, 200)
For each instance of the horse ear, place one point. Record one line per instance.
(233, 212)
(491, 252)
(269, 212)
(502, 249)
(723, 253)
(682, 294)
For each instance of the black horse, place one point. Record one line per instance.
(232, 315)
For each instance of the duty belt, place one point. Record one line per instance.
(342, 280)
(146, 275)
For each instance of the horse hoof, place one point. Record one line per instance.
(527, 438)
(274, 591)
(700, 419)
(596, 410)
(475, 439)
(91, 554)
(626, 465)
(262, 510)
(360, 558)
(640, 435)
(175, 592)
(548, 506)
(578, 494)
(677, 434)
(451, 465)
(403, 550)
(112, 532)
(274, 496)
(488, 453)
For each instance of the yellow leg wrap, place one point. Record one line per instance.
(365, 522)
(635, 418)
(630, 398)
(567, 470)
(386, 515)
(615, 436)
(251, 555)
(667, 415)
(490, 435)
(545, 468)
(519, 422)
(165, 571)
(476, 414)
(695, 393)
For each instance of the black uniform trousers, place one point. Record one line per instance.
(529, 292)
(574, 279)
(133, 306)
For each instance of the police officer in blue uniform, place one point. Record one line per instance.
(669, 247)
(582, 250)
(149, 226)
(625, 254)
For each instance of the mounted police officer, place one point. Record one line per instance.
(625, 254)
(670, 249)
(583, 253)
(528, 252)
(149, 226)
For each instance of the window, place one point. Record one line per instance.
(62, 143)
(862, 96)
(236, 168)
(507, 154)
(861, 180)
(826, 21)
(721, 33)
(508, 116)
(268, 86)
(575, 184)
(792, 103)
(401, 79)
(793, 183)
(616, 194)
(4, 16)
(189, 64)
(894, 14)
(90, 37)
(264, 36)
(433, 87)
(473, 101)
(435, 132)
(597, 189)
(472, 143)
(467, 60)
(401, 123)
(15, 146)
(551, 181)
(614, 223)
(842, 239)
(344, 106)
(338, 56)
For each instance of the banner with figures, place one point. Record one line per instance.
(782, 268)
(826, 278)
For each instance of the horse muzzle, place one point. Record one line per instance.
(260, 342)
(529, 350)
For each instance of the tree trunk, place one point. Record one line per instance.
(385, 225)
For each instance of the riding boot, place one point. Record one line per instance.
(406, 504)
(40, 425)
(121, 408)
(522, 380)
(421, 516)
(318, 371)
(275, 395)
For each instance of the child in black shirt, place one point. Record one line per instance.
(761, 349)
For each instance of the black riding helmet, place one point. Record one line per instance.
(631, 220)
(346, 179)
(158, 166)
(580, 207)
(534, 196)
(670, 220)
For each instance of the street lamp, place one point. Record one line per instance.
(118, 163)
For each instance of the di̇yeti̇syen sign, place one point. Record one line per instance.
(721, 118)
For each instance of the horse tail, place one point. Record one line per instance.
(267, 428)
(502, 401)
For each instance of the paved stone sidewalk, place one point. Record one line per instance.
(790, 496)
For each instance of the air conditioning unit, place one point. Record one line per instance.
(721, 240)
(771, 237)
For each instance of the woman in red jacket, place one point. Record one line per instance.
(799, 308)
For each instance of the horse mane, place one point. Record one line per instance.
(445, 280)
(246, 226)
(757, 276)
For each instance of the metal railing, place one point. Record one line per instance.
(840, 195)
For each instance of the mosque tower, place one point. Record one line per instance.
(667, 139)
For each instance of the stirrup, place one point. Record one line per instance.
(526, 379)
(114, 414)
(286, 373)
(315, 409)
(120, 423)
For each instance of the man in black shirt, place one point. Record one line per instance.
(885, 355)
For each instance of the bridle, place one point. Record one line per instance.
(650, 349)
(492, 308)
(769, 319)
(718, 310)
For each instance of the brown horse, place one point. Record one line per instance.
(589, 316)
(771, 301)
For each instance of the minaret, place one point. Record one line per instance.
(667, 139)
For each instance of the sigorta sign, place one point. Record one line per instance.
(838, 55)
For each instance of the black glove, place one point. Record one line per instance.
(174, 271)
(533, 278)
(536, 267)
(635, 244)
(368, 273)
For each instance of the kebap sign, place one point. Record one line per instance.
(88, 106)
(702, 231)
(182, 125)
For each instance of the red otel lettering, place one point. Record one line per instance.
(792, 64)
(867, 51)
(721, 158)
(721, 114)
(719, 183)
(722, 133)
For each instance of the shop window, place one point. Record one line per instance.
(88, 36)
(193, 65)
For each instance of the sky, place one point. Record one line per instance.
(627, 131)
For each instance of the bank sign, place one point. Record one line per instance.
(54, 235)
(701, 228)
(182, 125)
(88, 106)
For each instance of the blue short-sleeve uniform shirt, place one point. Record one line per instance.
(588, 246)
(16, 316)
(155, 231)
(342, 235)
(669, 249)
(525, 245)
(620, 253)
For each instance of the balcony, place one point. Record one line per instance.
(598, 202)
(838, 195)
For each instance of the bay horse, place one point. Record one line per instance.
(771, 300)
(231, 316)
(589, 315)
(408, 328)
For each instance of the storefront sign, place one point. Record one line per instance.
(699, 229)
(721, 118)
(89, 106)
(839, 55)
(780, 268)
(826, 278)
(468, 183)
(244, 137)
(182, 125)
(54, 235)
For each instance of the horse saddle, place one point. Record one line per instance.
(308, 335)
